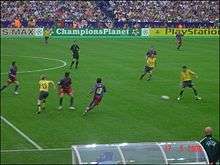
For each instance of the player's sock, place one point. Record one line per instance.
(39, 108)
(181, 93)
(195, 92)
(77, 63)
(4, 86)
(16, 88)
(43, 104)
(71, 101)
(72, 63)
(142, 76)
(149, 77)
(61, 101)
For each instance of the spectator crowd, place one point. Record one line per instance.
(81, 14)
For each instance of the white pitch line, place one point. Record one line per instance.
(33, 150)
(40, 70)
(21, 133)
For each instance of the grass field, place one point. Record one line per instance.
(131, 111)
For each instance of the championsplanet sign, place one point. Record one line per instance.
(21, 32)
(185, 31)
(96, 32)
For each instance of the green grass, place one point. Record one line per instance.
(131, 111)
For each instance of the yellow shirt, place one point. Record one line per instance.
(187, 75)
(46, 33)
(151, 62)
(44, 85)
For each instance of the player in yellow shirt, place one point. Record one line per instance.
(47, 33)
(44, 86)
(150, 65)
(186, 77)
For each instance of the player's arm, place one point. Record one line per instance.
(53, 84)
(59, 85)
(92, 90)
(12, 75)
(104, 89)
(193, 74)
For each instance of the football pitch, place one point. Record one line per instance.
(131, 110)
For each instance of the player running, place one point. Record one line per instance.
(98, 90)
(46, 35)
(12, 78)
(179, 40)
(44, 85)
(65, 88)
(75, 54)
(186, 76)
(150, 65)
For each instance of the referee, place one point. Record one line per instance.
(75, 54)
(210, 145)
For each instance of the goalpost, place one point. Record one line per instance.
(180, 152)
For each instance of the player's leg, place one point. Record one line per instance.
(179, 44)
(149, 76)
(77, 63)
(46, 40)
(71, 101)
(16, 87)
(61, 99)
(196, 93)
(90, 106)
(5, 86)
(43, 103)
(39, 105)
(93, 104)
(144, 73)
(184, 85)
(72, 63)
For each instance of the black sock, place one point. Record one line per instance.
(149, 77)
(16, 88)
(72, 63)
(71, 101)
(195, 92)
(4, 86)
(61, 101)
(77, 62)
(142, 76)
(181, 93)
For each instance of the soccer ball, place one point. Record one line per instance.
(165, 97)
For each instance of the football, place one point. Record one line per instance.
(165, 97)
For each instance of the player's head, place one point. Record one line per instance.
(98, 80)
(43, 77)
(208, 131)
(13, 63)
(67, 74)
(184, 67)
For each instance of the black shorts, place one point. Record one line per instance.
(43, 95)
(46, 37)
(75, 55)
(147, 69)
(186, 84)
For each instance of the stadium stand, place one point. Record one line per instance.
(118, 14)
